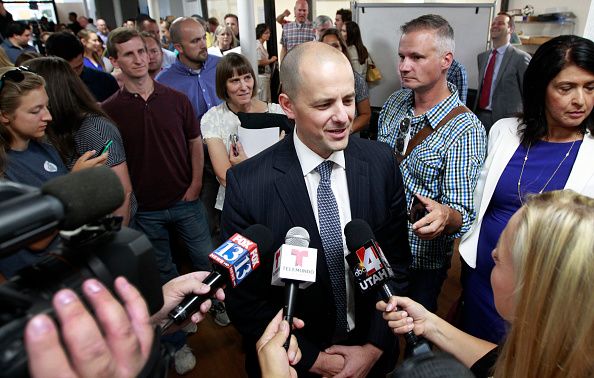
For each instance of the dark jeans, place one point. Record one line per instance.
(189, 220)
(425, 285)
(208, 196)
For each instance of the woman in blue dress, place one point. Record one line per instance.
(549, 147)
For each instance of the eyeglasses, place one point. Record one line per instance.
(16, 75)
(402, 134)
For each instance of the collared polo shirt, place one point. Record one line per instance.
(156, 134)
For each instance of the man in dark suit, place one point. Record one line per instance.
(287, 186)
(501, 74)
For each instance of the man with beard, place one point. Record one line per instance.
(194, 71)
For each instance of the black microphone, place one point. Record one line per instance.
(294, 267)
(67, 203)
(232, 262)
(372, 272)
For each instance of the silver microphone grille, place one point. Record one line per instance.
(297, 236)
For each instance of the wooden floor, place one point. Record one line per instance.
(218, 349)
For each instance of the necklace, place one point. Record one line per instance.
(550, 178)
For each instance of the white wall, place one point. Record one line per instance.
(581, 8)
(66, 7)
(589, 29)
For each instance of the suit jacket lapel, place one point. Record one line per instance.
(359, 185)
(290, 186)
(504, 62)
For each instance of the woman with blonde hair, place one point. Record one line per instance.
(224, 40)
(542, 282)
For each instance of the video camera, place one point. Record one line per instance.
(93, 245)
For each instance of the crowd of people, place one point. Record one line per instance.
(506, 180)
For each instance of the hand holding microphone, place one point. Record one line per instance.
(412, 315)
(175, 291)
(274, 359)
(372, 272)
(233, 261)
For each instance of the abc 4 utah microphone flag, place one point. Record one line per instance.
(369, 266)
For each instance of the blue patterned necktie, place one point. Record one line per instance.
(331, 234)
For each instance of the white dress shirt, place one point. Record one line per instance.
(309, 160)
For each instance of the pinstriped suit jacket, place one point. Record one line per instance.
(270, 189)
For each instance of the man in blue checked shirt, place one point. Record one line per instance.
(441, 169)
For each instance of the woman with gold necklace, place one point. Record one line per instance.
(549, 147)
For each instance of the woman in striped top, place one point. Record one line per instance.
(79, 124)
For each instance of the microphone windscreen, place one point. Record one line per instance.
(86, 195)
(262, 236)
(432, 365)
(357, 232)
(297, 236)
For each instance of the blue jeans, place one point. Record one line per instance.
(190, 222)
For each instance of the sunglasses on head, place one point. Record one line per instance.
(16, 75)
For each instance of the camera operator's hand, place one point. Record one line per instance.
(177, 289)
(116, 343)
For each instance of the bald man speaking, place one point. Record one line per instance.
(319, 178)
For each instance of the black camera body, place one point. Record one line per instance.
(123, 253)
(98, 247)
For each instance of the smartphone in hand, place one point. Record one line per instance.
(104, 149)
(416, 211)
(233, 139)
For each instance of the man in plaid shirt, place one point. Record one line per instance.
(299, 31)
(442, 171)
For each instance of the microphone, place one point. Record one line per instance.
(232, 262)
(372, 272)
(66, 202)
(294, 266)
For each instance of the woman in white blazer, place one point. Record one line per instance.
(549, 147)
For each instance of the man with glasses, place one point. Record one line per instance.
(441, 145)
